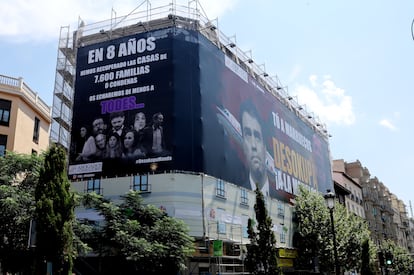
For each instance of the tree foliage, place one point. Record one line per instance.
(261, 253)
(18, 176)
(314, 239)
(54, 214)
(313, 227)
(402, 262)
(352, 232)
(367, 266)
(20, 170)
(141, 238)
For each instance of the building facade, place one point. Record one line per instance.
(354, 200)
(400, 220)
(385, 214)
(24, 118)
(212, 208)
(410, 237)
(214, 125)
(378, 211)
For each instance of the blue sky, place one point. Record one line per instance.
(349, 62)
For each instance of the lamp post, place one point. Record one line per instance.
(330, 203)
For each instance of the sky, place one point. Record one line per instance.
(349, 62)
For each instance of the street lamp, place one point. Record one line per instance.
(330, 203)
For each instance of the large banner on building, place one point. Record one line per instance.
(122, 112)
(253, 139)
(172, 100)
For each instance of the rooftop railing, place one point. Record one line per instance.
(21, 87)
(146, 18)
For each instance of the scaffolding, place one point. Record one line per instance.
(145, 18)
(63, 89)
(231, 259)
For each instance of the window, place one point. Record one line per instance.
(34, 152)
(245, 221)
(244, 197)
(94, 185)
(282, 236)
(221, 227)
(3, 144)
(5, 106)
(202, 246)
(220, 191)
(245, 232)
(36, 130)
(141, 183)
(280, 210)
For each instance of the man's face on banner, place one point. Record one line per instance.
(98, 126)
(253, 146)
(117, 122)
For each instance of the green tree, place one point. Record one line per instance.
(312, 219)
(261, 253)
(401, 261)
(16, 211)
(140, 238)
(353, 232)
(18, 176)
(20, 170)
(54, 214)
(367, 254)
(314, 236)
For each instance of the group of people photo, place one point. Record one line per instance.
(118, 140)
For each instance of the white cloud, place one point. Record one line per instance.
(326, 100)
(25, 20)
(387, 124)
(40, 20)
(313, 80)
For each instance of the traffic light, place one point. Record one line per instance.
(389, 258)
